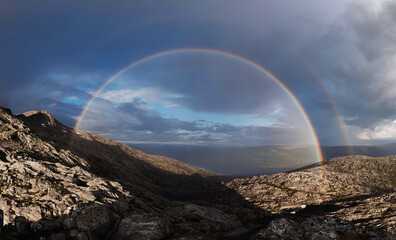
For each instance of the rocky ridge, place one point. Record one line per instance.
(59, 185)
(355, 188)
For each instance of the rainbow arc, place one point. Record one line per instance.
(217, 52)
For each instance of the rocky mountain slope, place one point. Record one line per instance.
(356, 188)
(56, 184)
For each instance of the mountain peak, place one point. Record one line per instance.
(5, 110)
(39, 117)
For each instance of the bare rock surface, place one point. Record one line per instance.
(60, 184)
(326, 228)
(46, 189)
(355, 188)
(138, 226)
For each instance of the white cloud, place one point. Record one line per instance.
(148, 94)
(376, 6)
(383, 131)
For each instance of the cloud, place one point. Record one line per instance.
(382, 131)
(57, 54)
(147, 94)
(134, 121)
(208, 82)
(372, 73)
(354, 55)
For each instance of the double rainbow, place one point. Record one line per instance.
(216, 52)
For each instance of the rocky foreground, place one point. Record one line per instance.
(359, 189)
(56, 184)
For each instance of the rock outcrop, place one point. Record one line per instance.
(60, 184)
(355, 188)
(326, 228)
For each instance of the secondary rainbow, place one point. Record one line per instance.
(279, 41)
(218, 52)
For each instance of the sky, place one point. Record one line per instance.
(335, 57)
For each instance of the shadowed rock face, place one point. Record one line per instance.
(60, 185)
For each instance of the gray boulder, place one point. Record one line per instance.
(21, 224)
(98, 221)
(142, 227)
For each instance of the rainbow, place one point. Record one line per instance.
(310, 69)
(340, 120)
(218, 52)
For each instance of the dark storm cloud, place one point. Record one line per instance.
(50, 51)
(46, 37)
(212, 83)
(356, 59)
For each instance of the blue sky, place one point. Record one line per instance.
(55, 55)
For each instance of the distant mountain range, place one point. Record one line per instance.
(252, 161)
(367, 150)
